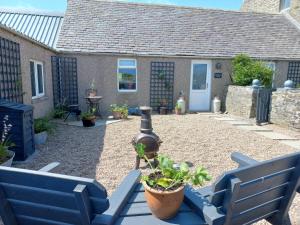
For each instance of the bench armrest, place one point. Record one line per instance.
(210, 214)
(49, 167)
(118, 199)
(242, 159)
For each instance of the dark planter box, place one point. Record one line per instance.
(22, 132)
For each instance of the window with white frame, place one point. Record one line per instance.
(37, 79)
(272, 66)
(127, 75)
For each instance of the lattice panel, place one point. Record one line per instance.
(162, 85)
(10, 71)
(65, 84)
(294, 72)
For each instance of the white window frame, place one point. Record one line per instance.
(38, 95)
(268, 63)
(130, 67)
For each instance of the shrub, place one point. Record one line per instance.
(123, 109)
(42, 124)
(245, 70)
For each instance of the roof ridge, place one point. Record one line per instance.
(181, 7)
(32, 12)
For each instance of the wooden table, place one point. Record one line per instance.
(137, 212)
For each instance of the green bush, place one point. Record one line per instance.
(245, 70)
(42, 124)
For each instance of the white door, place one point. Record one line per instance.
(200, 85)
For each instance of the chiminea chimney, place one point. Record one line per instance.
(146, 136)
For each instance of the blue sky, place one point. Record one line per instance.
(60, 5)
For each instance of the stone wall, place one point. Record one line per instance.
(286, 108)
(241, 101)
(264, 6)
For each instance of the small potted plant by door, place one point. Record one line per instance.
(163, 109)
(42, 127)
(6, 156)
(178, 109)
(88, 118)
(119, 111)
(164, 186)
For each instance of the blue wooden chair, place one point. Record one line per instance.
(255, 191)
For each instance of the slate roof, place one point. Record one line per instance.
(95, 26)
(40, 26)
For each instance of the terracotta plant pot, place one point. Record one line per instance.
(9, 160)
(163, 110)
(89, 122)
(117, 115)
(164, 204)
(178, 111)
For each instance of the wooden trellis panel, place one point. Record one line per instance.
(294, 72)
(162, 84)
(10, 71)
(65, 84)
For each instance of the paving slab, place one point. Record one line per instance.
(224, 119)
(294, 144)
(239, 123)
(255, 128)
(276, 136)
(98, 123)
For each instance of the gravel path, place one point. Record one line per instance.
(105, 153)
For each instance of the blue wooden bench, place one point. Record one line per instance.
(255, 191)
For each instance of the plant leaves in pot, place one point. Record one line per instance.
(42, 127)
(88, 118)
(119, 111)
(6, 156)
(164, 186)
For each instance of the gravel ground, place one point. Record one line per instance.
(105, 153)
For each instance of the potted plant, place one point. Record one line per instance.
(119, 111)
(88, 118)
(92, 90)
(6, 156)
(164, 186)
(59, 111)
(163, 109)
(42, 127)
(178, 109)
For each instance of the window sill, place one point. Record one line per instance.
(39, 99)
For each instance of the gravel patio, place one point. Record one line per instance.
(105, 153)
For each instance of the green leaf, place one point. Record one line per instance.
(184, 168)
(164, 182)
(140, 149)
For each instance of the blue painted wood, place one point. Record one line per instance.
(6, 211)
(37, 197)
(256, 191)
(242, 159)
(119, 199)
(83, 203)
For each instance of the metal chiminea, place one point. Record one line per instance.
(146, 136)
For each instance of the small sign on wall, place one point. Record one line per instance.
(218, 75)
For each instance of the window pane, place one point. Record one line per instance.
(125, 62)
(33, 91)
(127, 79)
(40, 78)
(199, 76)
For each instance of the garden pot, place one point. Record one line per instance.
(117, 115)
(178, 111)
(89, 122)
(10, 159)
(163, 110)
(164, 204)
(40, 138)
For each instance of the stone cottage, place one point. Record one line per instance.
(146, 54)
